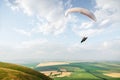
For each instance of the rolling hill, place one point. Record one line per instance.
(10, 71)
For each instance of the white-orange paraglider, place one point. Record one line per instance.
(82, 11)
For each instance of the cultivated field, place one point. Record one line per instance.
(51, 64)
(82, 71)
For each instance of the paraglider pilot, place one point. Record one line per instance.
(84, 39)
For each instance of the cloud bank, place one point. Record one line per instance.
(51, 20)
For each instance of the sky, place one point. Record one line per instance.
(37, 30)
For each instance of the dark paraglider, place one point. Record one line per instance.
(84, 39)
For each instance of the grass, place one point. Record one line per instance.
(16, 72)
(86, 70)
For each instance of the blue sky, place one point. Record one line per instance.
(37, 30)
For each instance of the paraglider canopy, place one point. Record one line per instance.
(82, 11)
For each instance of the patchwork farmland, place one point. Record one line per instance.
(82, 71)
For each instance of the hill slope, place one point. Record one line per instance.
(16, 72)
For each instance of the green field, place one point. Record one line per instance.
(16, 72)
(86, 70)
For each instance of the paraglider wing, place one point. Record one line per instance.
(84, 39)
(82, 11)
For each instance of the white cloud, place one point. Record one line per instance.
(31, 43)
(86, 25)
(68, 4)
(108, 50)
(106, 10)
(50, 14)
(104, 22)
(42, 49)
(53, 27)
(107, 15)
(22, 31)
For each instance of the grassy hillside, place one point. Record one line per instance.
(15, 72)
